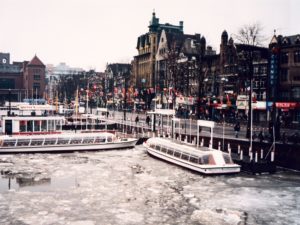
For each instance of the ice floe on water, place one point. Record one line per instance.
(130, 187)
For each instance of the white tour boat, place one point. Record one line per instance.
(198, 158)
(203, 160)
(63, 142)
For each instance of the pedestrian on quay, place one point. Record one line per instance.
(260, 136)
(148, 120)
(137, 119)
(237, 129)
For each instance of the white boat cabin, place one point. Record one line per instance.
(31, 124)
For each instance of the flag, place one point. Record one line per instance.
(136, 92)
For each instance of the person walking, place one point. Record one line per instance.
(137, 119)
(148, 120)
(237, 129)
(261, 136)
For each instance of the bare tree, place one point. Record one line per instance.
(251, 34)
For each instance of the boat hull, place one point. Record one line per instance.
(69, 148)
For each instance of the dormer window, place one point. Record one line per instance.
(162, 39)
(297, 42)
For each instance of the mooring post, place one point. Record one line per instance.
(272, 156)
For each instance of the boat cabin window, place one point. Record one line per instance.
(208, 159)
(37, 142)
(62, 141)
(157, 147)
(177, 154)
(227, 159)
(76, 141)
(109, 139)
(36, 125)
(170, 152)
(23, 142)
(9, 143)
(100, 140)
(185, 156)
(205, 159)
(194, 159)
(88, 140)
(22, 126)
(44, 125)
(164, 150)
(50, 141)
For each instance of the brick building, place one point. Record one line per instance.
(284, 76)
(22, 80)
(147, 44)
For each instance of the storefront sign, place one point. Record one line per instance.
(287, 105)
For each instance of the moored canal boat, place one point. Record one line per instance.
(203, 159)
(63, 142)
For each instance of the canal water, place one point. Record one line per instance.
(130, 187)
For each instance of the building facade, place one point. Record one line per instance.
(147, 44)
(284, 77)
(117, 83)
(21, 80)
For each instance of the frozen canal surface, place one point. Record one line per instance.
(130, 187)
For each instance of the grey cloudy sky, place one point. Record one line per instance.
(90, 33)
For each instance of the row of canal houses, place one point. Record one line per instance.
(179, 69)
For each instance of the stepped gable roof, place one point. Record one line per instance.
(35, 61)
(184, 43)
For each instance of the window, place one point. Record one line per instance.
(185, 157)
(170, 152)
(285, 58)
(7, 83)
(297, 56)
(296, 92)
(36, 77)
(177, 154)
(284, 75)
(163, 149)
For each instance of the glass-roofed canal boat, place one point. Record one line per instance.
(198, 158)
(63, 142)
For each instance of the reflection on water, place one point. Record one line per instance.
(27, 181)
(35, 183)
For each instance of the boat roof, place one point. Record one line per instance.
(165, 112)
(183, 147)
(30, 118)
(59, 135)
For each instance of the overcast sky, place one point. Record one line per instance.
(90, 33)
